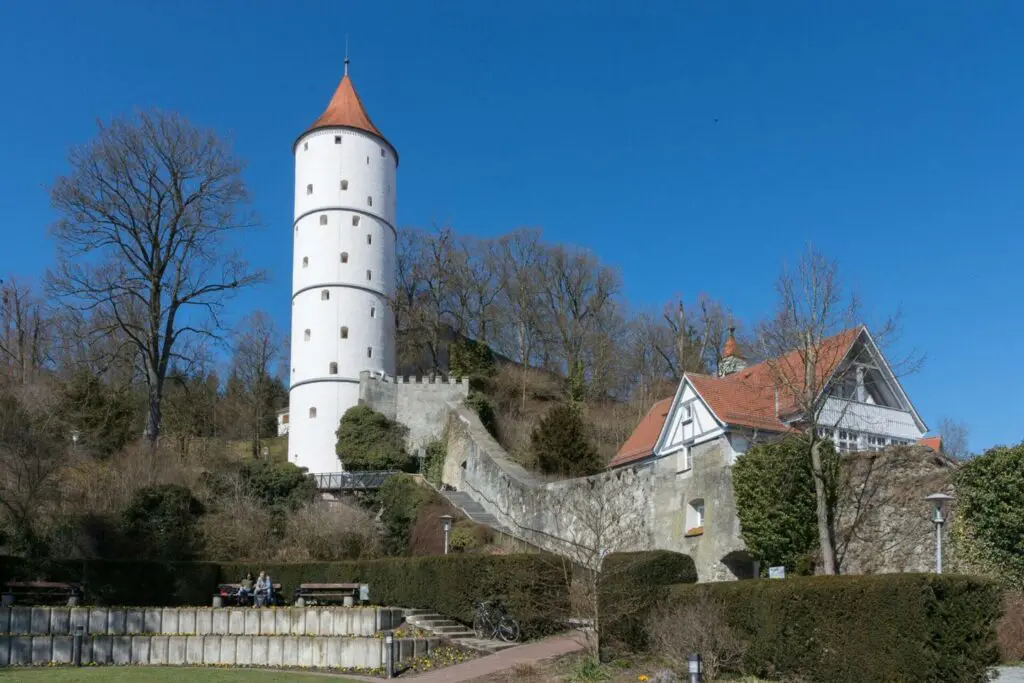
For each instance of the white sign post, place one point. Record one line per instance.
(776, 572)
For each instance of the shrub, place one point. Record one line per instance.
(775, 502)
(447, 584)
(470, 358)
(484, 409)
(1010, 629)
(896, 627)
(329, 531)
(277, 484)
(370, 441)
(434, 456)
(677, 630)
(629, 587)
(562, 446)
(162, 521)
(401, 498)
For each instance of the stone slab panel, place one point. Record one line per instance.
(102, 649)
(21, 650)
(290, 656)
(42, 650)
(220, 622)
(5, 650)
(326, 627)
(228, 650)
(260, 651)
(186, 621)
(194, 646)
(296, 622)
(177, 649)
(159, 650)
(21, 620)
(40, 621)
(63, 648)
(5, 619)
(60, 621)
(122, 650)
(169, 621)
(135, 621)
(79, 617)
(275, 651)
(334, 653)
(252, 622)
(282, 621)
(268, 621)
(211, 649)
(141, 646)
(152, 621)
(305, 651)
(312, 627)
(243, 651)
(236, 622)
(204, 621)
(117, 621)
(98, 618)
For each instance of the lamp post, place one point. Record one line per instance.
(446, 524)
(938, 501)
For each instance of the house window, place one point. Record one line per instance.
(324, 295)
(337, 139)
(344, 333)
(369, 352)
(309, 189)
(344, 184)
(333, 368)
(323, 219)
(369, 239)
(695, 517)
(373, 311)
(369, 275)
(305, 261)
(306, 335)
(344, 257)
(684, 459)
(847, 441)
(355, 220)
(312, 413)
(876, 443)
(369, 201)
(687, 412)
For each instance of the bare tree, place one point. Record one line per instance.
(258, 345)
(954, 435)
(805, 357)
(146, 211)
(25, 332)
(424, 301)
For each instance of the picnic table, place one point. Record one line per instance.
(42, 592)
(344, 593)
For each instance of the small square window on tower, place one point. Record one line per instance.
(333, 368)
(383, 154)
(344, 333)
(309, 189)
(305, 146)
(373, 311)
(344, 257)
(369, 275)
(306, 335)
(369, 238)
(323, 219)
(369, 352)
(367, 160)
(305, 261)
(337, 139)
(355, 220)
(312, 413)
(325, 294)
(369, 201)
(344, 184)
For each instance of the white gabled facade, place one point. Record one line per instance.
(343, 273)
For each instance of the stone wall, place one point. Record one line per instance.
(421, 404)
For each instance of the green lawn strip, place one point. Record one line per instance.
(160, 675)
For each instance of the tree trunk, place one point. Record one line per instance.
(153, 417)
(826, 534)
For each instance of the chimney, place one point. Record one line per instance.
(731, 361)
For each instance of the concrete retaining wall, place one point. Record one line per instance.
(281, 621)
(225, 650)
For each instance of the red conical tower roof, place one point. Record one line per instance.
(345, 109)
(731, 347)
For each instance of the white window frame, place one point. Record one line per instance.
(684, 459)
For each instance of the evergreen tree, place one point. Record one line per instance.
(562, 445)
(100, 417)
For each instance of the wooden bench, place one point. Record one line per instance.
(42, 593)
(327, 592)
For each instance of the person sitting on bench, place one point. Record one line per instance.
(264, 590)
(245, 589)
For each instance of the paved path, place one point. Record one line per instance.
(504, 660)
(1010, 674)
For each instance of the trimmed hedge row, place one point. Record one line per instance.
(533, 587)
(861, 629)
(122, 582)
(631, 584)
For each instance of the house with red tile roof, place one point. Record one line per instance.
(862, 405)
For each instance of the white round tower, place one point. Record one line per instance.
(343, 272)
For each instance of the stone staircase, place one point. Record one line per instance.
(454, 631)
(475, 511)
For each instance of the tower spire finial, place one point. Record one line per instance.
(346, 54)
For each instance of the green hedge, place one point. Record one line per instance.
(631, 584)
(532, 585)
(122, 582)
(860, 629)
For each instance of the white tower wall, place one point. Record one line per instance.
(343, 275)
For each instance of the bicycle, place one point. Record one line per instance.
(492, 621)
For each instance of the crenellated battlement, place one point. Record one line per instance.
(420, 403)
(370, 376)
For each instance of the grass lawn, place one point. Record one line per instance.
(125, 674)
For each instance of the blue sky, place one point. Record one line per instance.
(696, 145)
